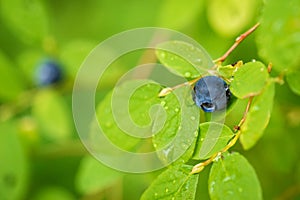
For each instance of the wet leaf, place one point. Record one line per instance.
(213, 138)
(249, 80)
(258, 117)
(183, 58)
(174, 183)
(232, 177)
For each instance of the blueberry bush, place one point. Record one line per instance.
(241, 120)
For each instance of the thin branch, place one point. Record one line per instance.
(200, 166)
(238, 40)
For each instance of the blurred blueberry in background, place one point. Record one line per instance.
(48, 72)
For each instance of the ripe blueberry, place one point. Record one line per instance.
(211, 93)
(48, 72)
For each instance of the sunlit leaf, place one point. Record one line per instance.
(278, 37)
(14, 166)
(174, 183)
(183, 58)
(293, 79)
(93, 176)
(52, 115)
(229, 18)
(258, 117)
(232, 177)
(249, 80)
(213, 138)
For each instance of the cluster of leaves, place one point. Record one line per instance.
(210, 138)
(231, 175)
(42, 116)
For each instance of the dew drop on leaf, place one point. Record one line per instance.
(187, 74)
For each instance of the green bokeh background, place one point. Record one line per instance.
(41, 154)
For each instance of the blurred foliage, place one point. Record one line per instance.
(41, 154)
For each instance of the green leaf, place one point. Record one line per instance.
(73, 55)
(174, 183)
(10, 80)
(53, 192)
(181, 127)
(52, 115)
(228, 71)
(229, 18)
(232, 177)
(187, 10)
(293, 79)
(136, 112)
(111, 126)
(213, 138)
(14, 165)
(258, 117)
(27, 19)
(183, 58)
(93, 176)
(278, 37)
(249, 80)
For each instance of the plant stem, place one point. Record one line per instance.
(238, 40)
(200, 166)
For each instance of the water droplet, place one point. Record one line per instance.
(155, 194)
(176, 110)
(166, 107)
(184, 146)
(262, 69)
(174, 181)
(193, 118)
(167, 190)
(227, 178)
(253, 60)
(155, 145)
(163, 103)
(196, 133)
(187, 74)
(179, 128)
(201, 139)
(173, 198)
(198, 61)
(162, 54)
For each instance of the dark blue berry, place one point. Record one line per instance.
(211, 93)
(48, 72)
